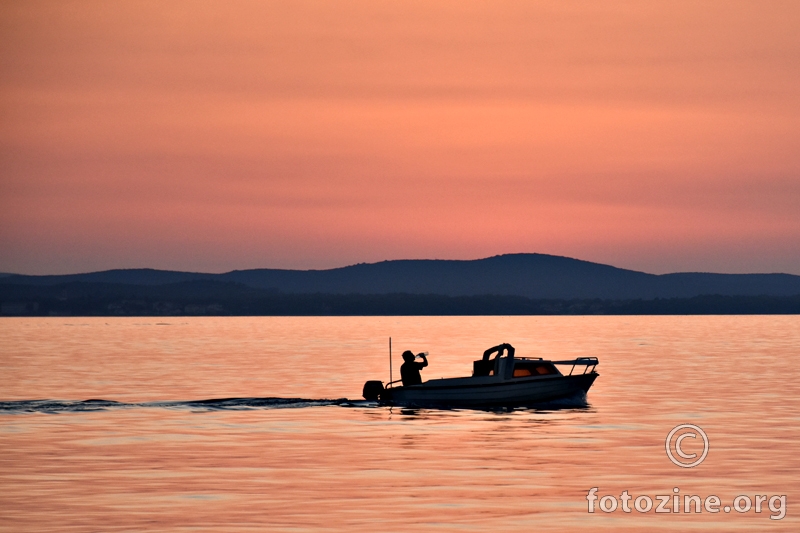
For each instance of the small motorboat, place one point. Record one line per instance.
(502, 381)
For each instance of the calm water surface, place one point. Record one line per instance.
(157, 462)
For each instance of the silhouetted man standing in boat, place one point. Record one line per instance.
(409, 371)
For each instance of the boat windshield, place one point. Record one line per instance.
(522, 370)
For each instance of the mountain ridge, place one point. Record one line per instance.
(539, 276)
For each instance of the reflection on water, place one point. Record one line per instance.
(285, 449)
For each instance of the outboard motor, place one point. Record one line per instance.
(372, 390)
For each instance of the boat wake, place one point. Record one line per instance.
(219, 404)
(237, 404)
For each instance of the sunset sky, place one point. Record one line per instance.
(212, 136)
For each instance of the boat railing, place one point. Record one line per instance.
(588, 364)
(391, 383)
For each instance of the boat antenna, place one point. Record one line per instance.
(390, 359)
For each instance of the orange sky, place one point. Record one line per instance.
(659, 136)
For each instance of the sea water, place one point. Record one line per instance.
(257, 424)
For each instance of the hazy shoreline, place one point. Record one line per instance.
(227, 299)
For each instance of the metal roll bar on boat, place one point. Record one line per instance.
(586, 362)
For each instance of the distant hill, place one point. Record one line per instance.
(532, 276)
